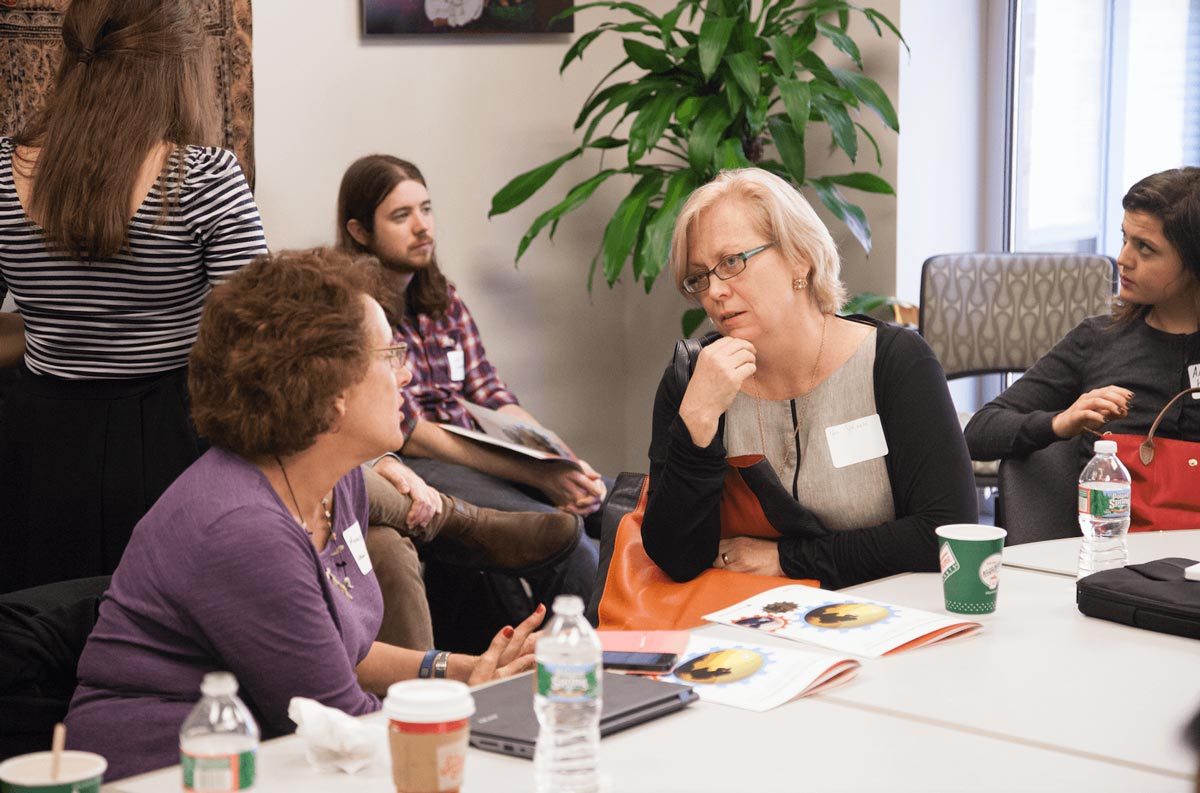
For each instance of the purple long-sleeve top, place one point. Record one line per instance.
(219, 576)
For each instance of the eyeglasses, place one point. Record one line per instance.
(396, 355)
(726, 268)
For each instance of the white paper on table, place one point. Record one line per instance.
(841, 621)
(756, 677)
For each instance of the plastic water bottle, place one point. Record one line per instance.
(218, 743)
(1104, 499)
(568, 702)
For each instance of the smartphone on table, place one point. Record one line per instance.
(647, 663)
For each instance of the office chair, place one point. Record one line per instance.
(997, 313)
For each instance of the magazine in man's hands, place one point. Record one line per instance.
(841, 621)
(757, 677)
(513, 435)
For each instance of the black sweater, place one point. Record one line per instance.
(927, 464)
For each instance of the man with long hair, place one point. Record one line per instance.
(384, 209)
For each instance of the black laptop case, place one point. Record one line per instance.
(1153, 595)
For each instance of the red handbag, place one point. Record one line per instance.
(1165, 493)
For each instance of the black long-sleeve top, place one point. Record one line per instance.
(927, 464)
(1097, 353)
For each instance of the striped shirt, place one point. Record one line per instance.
(448, 361)
(135, 314)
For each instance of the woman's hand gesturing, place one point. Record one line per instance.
(1092, 410)
(720, 371)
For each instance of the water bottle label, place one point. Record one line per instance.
(1104, 503)
(217, 773)
(568, 682)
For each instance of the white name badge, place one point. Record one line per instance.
(856, 441)
(1194, 376)
(457, 371)
(353, 538)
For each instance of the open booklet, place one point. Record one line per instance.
(755, 677)
(841, 621)
(513, 435)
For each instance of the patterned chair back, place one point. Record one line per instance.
(984, 313)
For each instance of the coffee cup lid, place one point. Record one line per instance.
(428, 701)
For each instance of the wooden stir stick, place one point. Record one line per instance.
(56, 749)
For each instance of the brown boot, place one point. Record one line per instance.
(508, 542)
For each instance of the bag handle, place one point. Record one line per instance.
(1146, 449)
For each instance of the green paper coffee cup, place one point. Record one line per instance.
(970, 556)
(78, 772)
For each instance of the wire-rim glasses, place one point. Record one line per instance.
(395, 354)
(727, 268)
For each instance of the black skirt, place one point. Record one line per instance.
(81, 461)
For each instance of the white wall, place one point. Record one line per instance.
(472, 113)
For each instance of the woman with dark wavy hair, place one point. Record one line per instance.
(117, 216)
(1116, 372)
(254, 560)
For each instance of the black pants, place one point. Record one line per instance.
(81, 461)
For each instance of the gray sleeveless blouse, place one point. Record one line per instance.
(853, 497)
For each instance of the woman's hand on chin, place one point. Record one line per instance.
(720, 371)
(749, 555)
(510, 652)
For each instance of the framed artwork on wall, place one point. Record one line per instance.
(441, 17)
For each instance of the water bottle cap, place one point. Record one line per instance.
(1105, 447)
(219, 684)
(568, 605)
(428, 701)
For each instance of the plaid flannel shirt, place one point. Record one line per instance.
(432, 394)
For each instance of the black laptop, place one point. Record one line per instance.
(504, 720)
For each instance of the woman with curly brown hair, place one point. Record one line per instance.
(117, 216)
(253, 561)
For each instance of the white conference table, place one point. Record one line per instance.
(1011, 709)
(1062, 556)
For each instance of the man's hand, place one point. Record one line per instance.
(426, 501)
(749, 555)
(572, 490)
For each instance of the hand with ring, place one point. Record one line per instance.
(749, 555)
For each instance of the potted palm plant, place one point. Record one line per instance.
(719, 84)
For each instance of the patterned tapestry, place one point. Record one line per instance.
(30, 47)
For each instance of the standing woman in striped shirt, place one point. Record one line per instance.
(117, 217)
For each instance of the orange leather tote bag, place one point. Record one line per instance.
(638, 595)
(1165, 473)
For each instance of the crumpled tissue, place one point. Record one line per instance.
(333, 740)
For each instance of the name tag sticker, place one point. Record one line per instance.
(353, 537)
(856, 441)
(1194, 376)
(455, 359)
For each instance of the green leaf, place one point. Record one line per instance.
(819, 70)
(867, 182)
(734, 99)
(578, 46)
(622, 230)
(745, 72)
(522, 187)
(874, 144)
(632, 8)
(686, 111)
(607, 142)
(647, 57)
(804, 36)
(575, 197)
(870, 94)
(839, 121)
(790, 144)
(709, 128)
(650, 124)
(865, 303)
(850, 214)
(692, 319)
(875, 17)
(714, 37)
(796, 100)
(842, 41)
(652, 254)
(785, 54)
(730, 155)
